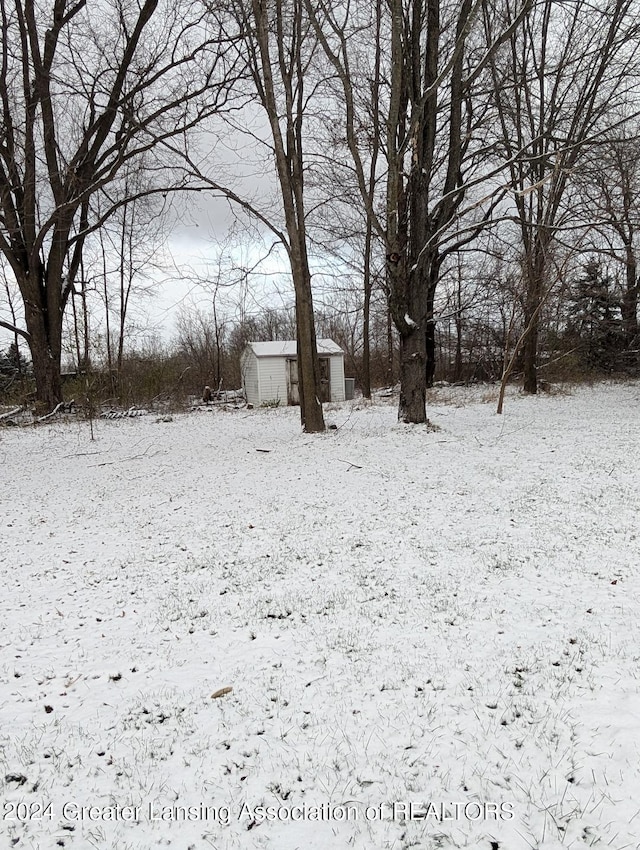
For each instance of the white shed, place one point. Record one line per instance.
(270, 372)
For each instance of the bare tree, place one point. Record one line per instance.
(82, 97)
(610, 190)
(276, 40)
(127, 260)
(435, 150)
(201, 337)
(349, 229)
(563, 77)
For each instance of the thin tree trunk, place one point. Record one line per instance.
(85, 321)
(530, 356)
(366, 314)
(76, 332)
(536, 290)
(390, 373)
(308, 368)
(368, 247)
(630, 298)
(288, 151)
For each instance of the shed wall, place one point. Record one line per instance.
(337, 377)
(265, 378)
(272, 374)
(250, 377)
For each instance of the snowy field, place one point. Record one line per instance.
(431, 637)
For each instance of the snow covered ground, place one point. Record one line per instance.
(432, 637)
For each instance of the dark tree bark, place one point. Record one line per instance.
(414, 244)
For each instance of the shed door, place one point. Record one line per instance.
(325, 379)
(293, 391)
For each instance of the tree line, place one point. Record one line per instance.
(468, 169)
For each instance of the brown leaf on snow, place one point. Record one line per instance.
(221, 692)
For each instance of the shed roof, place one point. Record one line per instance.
(289, 348)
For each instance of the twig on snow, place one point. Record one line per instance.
(351, 465)
(82, 454)
(123, 459)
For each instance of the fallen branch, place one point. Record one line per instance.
(55, 410)
(10, 413)
(81, 454)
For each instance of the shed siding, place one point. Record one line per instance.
(250, 377)
(337, 377)
(272, 373)
(265, 377)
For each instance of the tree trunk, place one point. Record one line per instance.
(370, 223)
(45, 344)
(308, 377)
(389, 377)
(366, 352)
(286, 122)
(530, 357)
(457, 366)
(430, 354)
(413, 361)
(533, 305)
(630, 299)
(366, 314)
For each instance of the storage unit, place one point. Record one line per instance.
(270, 372)
(349, 388)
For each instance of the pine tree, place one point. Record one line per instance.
(12, 361)
(594, 325)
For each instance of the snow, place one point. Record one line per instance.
(431, 636)
(410, 321)
(289, 348)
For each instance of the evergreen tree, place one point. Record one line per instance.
(594, 325)
(12, 361)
